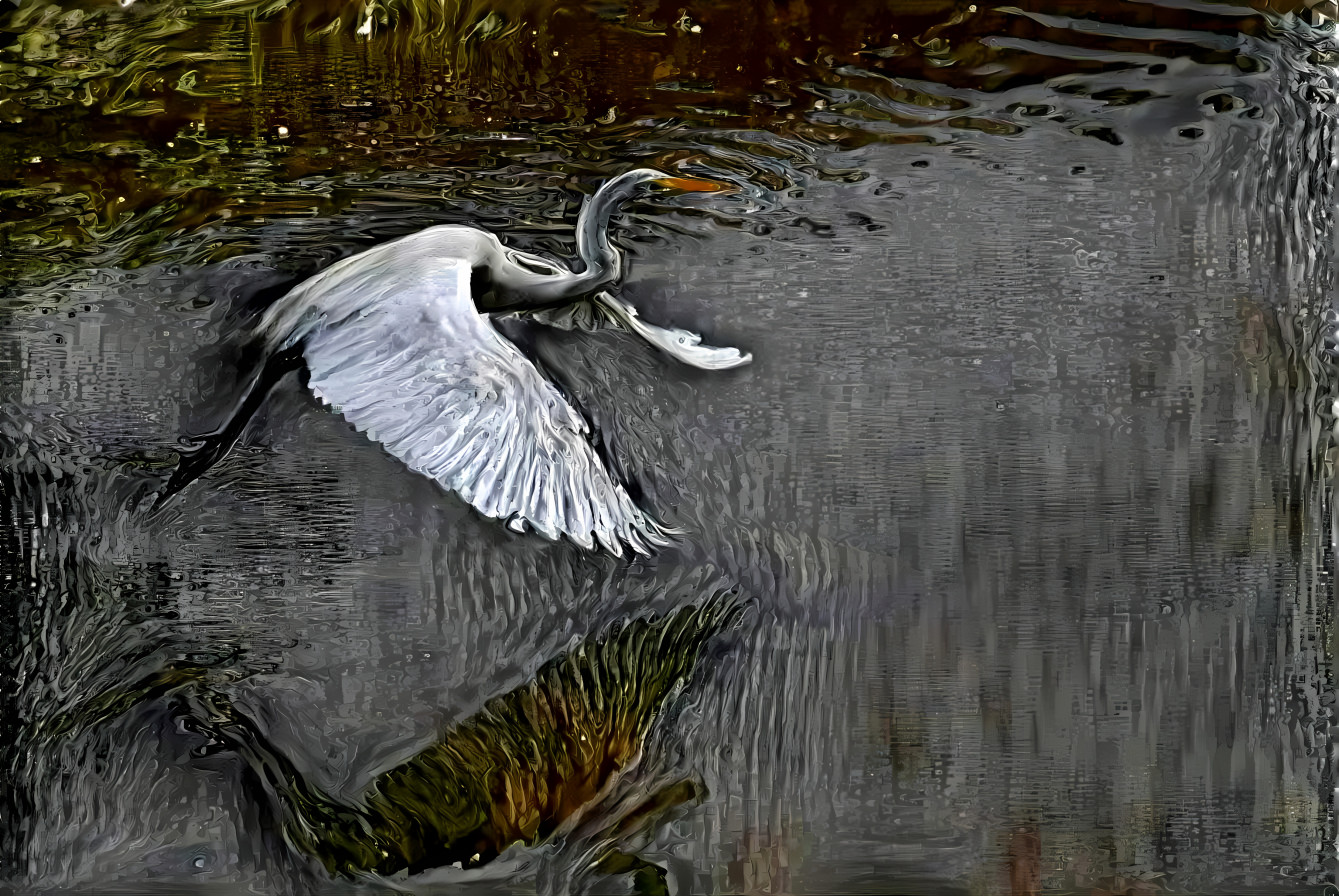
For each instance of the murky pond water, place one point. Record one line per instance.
(1026, 494)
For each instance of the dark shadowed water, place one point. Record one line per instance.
(1028, 485)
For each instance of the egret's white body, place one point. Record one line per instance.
(394, 342)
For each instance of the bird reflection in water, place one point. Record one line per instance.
(394, 339)
(559, 758)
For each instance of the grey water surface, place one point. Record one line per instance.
(1028, 482)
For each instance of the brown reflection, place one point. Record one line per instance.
(404, 72)
(1025, 861)
(161, 119)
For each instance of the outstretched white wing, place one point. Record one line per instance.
(420, 371)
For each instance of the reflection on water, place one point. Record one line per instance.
(559, 757)
(1029, 482)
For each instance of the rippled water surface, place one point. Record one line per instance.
(1025, 498)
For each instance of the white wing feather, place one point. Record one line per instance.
(419, 370)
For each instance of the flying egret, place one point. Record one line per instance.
(394, 341)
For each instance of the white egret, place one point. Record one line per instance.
(394, 342)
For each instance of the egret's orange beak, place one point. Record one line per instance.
(694, 185)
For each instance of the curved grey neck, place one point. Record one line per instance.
(602, 263)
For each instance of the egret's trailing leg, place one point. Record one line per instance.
(212, 447)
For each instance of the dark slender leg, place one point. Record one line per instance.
(214, 446)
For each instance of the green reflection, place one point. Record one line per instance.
(542, 759)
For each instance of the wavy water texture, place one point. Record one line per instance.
(1029, 484)
(141, 121)
(556, 757)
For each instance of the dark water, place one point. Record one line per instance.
(1029, 484)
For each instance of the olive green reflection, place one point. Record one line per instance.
(530, 763)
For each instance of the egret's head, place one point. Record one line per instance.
(602, 262)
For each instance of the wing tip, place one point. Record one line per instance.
(643, 534)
